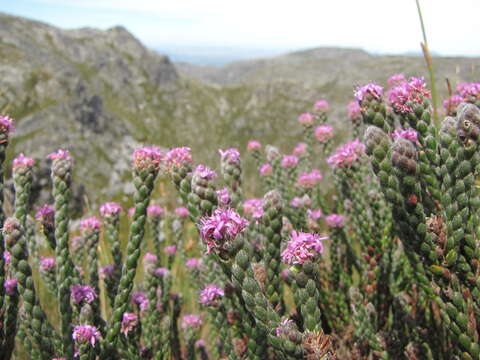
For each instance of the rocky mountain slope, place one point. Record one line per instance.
(102, 93)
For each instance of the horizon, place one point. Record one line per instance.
(212, 33)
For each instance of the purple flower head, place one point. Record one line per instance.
(253, 207)
(408, 134)
(324, 133)
(403, 96)
(193, 263)
(46, 215)
(129, 321)
(309, 180)
(231, 156)
(314, 214)
(182, 212)
(220, 228)
(200, 343)
(396, 79)
(150, 258)
(6, 124)
(354, 111)
(178, 157)
(469, 91)
(286, 323)
(205, 173)
(191, 321)
(321, 106)
(84, 334)
(155, 211)
(371, 90)
(148, 157)
(60, 155)
(107, 272)
(10, 286)
(347, 154)
(223, 196)
(110, 208)
(335, 220)
(22, 161)
(161, 272)
(82, 293)
(7, 257)
(266, 170)
(90, 224)
(300, 149)
(170, 250)
(302, 247)
(139, 297)
(296, 202)
(289, 161)
(131, 211)
(306, 119)
(210, 295)
(47, 263)
(253, 145)
(452, 102)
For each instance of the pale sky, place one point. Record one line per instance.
(384, 26)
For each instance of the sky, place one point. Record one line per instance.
(265, 26)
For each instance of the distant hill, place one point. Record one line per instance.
(102, 93)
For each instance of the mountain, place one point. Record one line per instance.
(102, 93)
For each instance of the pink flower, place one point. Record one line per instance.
(148, 157)
(210, 295)
(230, 156)
(306, 119)
(296, 202)
(131, 211)
(170, 250)
(107, 272)
(47, 263)
(223, 196)
(300, 149)
(60, 155)
(178, 157)
(90, 224)
(83, 334)
(110, 208)
(200, 343)
(7, 257)
(83, 293)
(139, 297)
(289, 161)
(371, 89)
(205, 173)
(403, 96)
(253, 207)
(452, 102)
(129, 321)
(150, 258)
(193, 263)
(6, 124)
(10, 286)
(253, 145)
(321, 106)
(46, 215)
(335, 220)
(396, 79)
(354, 111)
(161, 272)
(347, 154)
(324, 133)
(266, 170)
(302, 247)
(469, 91)
(21, 161)
(191, 321)
(309, 180)
(220, 228)
(408, 134)
(314, 214)
(154, 211)
(182, 212)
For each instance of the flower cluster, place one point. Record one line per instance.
(253, 207)
(231, 156)
(107, 271)
(335, 220)
(60, 155)
(321, 106)
(10, 286)
(161, 272)
(266, 170)
(182, 212)
(314, 214)
(210, 295)
(178, 157)
(90, 224)
(22, 161)
(205, 173)
(308, 180)
(300, 149)
(302, 247)
(370, 90)
(301, 202)
(403, 96)
(110, 208)
(154, 211)
(140, 298)
(289, 161)
(408, 134)
(82, 293)
(396, 79)
(354, 112)
(47, 263)
(191, 321)
(452, 102)
(46, 215)
(306, 119)
(253, 145)
(223, 196)
(324, 133)
(193, 263)
(223, 226)
(83, 334)
(170, 250)
(347, 154)
(469, 91)
(6, 124)
(148, 157)
(129, 321)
